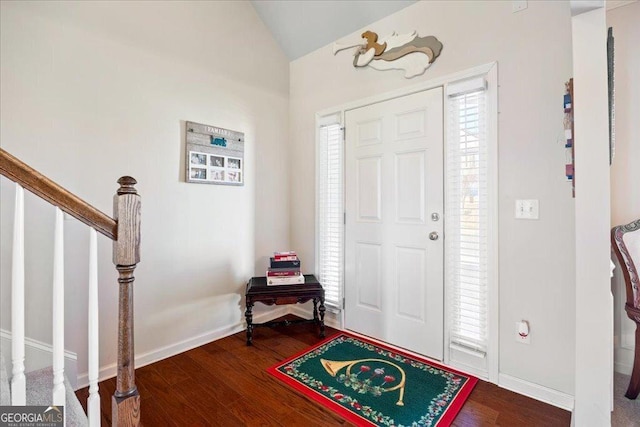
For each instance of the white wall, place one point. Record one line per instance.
(594, 302)
(533, 50)
(625, 173)
(91, 91)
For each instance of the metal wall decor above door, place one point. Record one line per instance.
(406, 52)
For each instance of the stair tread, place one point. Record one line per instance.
(40, 389)
(5, 393)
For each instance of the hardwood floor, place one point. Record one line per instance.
(225, 383)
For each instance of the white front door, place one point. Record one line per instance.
(394, 200)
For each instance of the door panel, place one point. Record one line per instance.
(393, 183)
(368, 277)
(369, 181)
(369, 132)
(410, 182)
(410, 283)
(411, 124)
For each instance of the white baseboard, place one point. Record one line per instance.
(535, 391)
(329, 318)
(623, 360)
(526, 388)
(517, 385)
(38, 355)
(623, 368)
(161, 353)
(469, 369)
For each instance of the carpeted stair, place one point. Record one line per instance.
(626, 412)
(39, 391)
(5, 391)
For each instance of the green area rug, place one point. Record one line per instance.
(371, 384)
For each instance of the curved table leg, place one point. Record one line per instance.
(249, 316)
(634, 384)
(322, 310)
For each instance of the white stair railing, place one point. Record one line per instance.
(93, 402)
(58, 311)
(18, 381)
(124, 231)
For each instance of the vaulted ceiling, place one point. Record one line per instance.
(300, 27)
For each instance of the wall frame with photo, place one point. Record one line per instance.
(214, 155)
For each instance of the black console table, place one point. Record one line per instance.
(259, 291)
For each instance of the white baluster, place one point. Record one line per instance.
(18, 381)
(93, 402)
(58, 311)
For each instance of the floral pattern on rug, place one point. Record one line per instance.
(453, 383)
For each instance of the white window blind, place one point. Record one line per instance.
(467, 215)
(330, 221)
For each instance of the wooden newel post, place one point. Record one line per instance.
(125, 402)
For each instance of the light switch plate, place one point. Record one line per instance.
(527, 209)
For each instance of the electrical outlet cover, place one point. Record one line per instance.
(523, 334)
(518, 5)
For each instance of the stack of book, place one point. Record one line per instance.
(284, 269)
